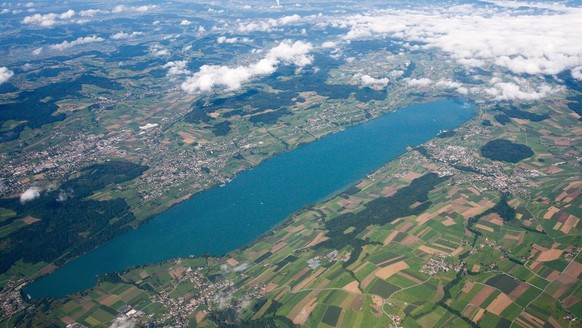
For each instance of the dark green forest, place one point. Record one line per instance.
(69, 224)
(505, 150)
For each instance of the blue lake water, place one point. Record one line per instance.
(223, 219)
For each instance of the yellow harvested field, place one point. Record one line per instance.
(483, 227)
(448, 222)
(519, 290)
(531, 318)
(493, 218)
(468, 286)
(300, 274)
(409, 240)
(394, 259)
(551, 211)
(482, 295)
(68, 320)
(477, 208)
(30, 220)
(200, 315)
(499, 304)
(353, 287)
(409, 277)
(269, 288)
(550, 255)
(423, 218)
(294, 229)
(308, 281)
(552, 276)
(474, 190)
(574, 269)
(377, 301)
(520, 236)
(187, 137)
(177, 272)
(130, 294)
(368, 279)
(232, 262)
(109, 300)
(553, 169)
(443, 246)
(390, 191)
(306, 300)
(423, 232)
(318, 239)
(566, 229)
(278, 247)
(430, 250)
(478, 315)
(390, 237)
(304, 313)
(387, 272)
(572, 221)
(405, 227)
(410, 176)
(457, 251)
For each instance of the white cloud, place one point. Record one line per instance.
(5, 74)
(118, 9)
(37, 51)
(159, 51)
(368, 80)
(63, 196)
(223, 39)
(50, 19)
(520, 4)
(288, 19)
(91, 12)
(123, 35)
(329, 44)
(123, 322)
(148, 126)
(577, 73)
(213, 76)
(79, 41)
(144, 9)
(396, 73)
(448, 84)
(518, 88)
(67, 15)
(177, 67)
(269, 24)
(30, 194)
(140, 9)
(185, 22)
(519, 40)
(423, 82)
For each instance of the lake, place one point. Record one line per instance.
(223, 219)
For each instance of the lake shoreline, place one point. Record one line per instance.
(288, 216)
